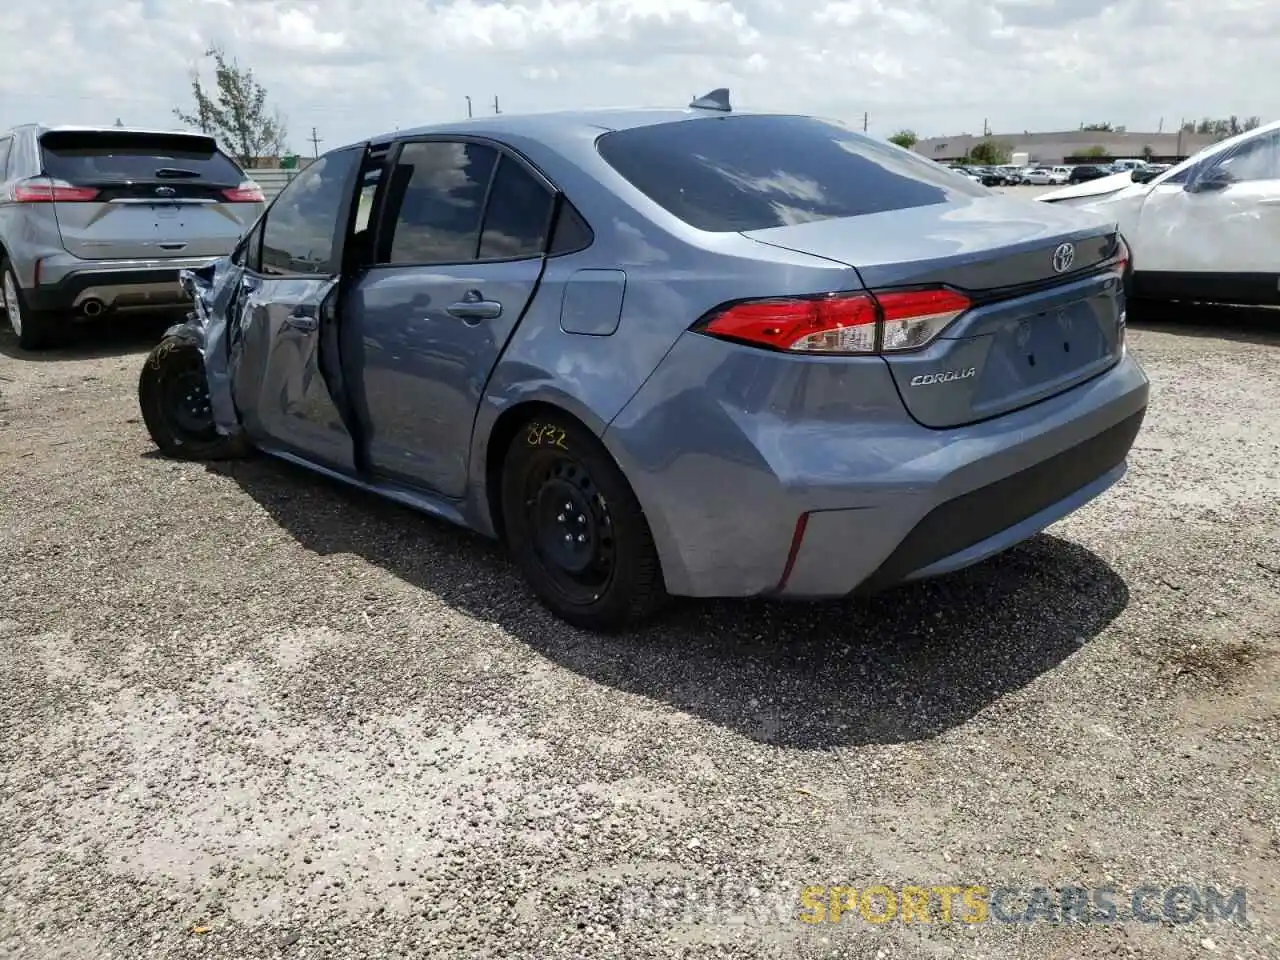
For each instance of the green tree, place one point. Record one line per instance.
(905, 139)
(235, 110)
(1148, 153)
(990, 153)
(1105, 127)
(1095, 151)
(1222, 128)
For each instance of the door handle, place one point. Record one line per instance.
(473, 306)
(300, 321)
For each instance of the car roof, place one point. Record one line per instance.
(554, 125)
(43, 128)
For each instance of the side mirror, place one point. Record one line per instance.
(1142, 176)
(1210, 181)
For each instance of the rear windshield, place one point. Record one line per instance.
(753, 172)
(80, 157)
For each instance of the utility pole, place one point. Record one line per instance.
(865, 118)
(1160, 128)
(495, 104)
(316, 140)
(468, 108)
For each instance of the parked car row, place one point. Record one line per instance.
(1047, 175)
(988, 176)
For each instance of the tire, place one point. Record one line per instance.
(608, 576)
(174, 396)
(35, 330)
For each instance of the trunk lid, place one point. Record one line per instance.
(158, 195)
(1033, 330)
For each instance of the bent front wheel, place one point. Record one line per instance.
(173, 393)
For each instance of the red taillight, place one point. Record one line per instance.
(844, 323)
(47, 190)
(1122, 254)
(840, 323)
(247, 192)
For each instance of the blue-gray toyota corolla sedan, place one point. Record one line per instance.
(669, 352)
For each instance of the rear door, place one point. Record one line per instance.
(457, 252)
(125, 195)
(286, 370)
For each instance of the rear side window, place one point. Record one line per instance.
(753, 172)
(435, 201)
(518, 215)
(6, 147)
(97, 156)
(301, 225)
(571, 232)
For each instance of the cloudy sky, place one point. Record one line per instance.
(357, 67)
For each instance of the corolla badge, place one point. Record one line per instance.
(1064, 257)
(949, 376)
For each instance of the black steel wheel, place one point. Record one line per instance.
(574, 527)
(173, 393)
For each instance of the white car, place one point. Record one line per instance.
(967, 174)
(1207, 229)
(1048, 176)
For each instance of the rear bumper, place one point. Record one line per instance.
(779, 476)
(973, 526)
(115, 284)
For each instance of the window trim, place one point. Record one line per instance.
(240, 255)
(340, 227)
(504, 152)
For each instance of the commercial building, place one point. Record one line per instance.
(1073, 145)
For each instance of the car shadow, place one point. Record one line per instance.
(902, 666)
(1260, 325)
(112, 337)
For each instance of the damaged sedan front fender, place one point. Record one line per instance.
(217, 297)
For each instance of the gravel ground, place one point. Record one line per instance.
(244, 713)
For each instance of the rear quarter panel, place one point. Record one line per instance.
(674, 274)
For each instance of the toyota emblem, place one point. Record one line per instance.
(165, 191)
(1064, 257)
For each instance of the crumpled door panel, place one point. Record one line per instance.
(217, 295)
(280, 377)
